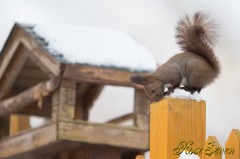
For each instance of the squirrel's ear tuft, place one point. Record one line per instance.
(140, 79)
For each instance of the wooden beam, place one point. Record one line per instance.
(18, 102)
(28, 141)
(98, 75)
(121, 119)
(103, 134)
(64, 101)
(9, 49)
(9, 76)
(141, 109)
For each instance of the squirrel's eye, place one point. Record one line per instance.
(153, 91)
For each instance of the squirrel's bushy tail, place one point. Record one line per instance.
(197, 35)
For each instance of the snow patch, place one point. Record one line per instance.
(97, 46)
(183, 155)
(182, 94)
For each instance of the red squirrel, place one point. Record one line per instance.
(194, 68)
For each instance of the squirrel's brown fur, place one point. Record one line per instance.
(195, 68)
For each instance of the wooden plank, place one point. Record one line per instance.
(28, 141)
(18, 123)
(141, 109)
(18, 102)
(173, 121)
(212, 149)
(233, 145)
(104, 134)
(98, 75)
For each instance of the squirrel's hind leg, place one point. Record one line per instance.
(170, 90)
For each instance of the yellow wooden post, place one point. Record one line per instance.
(233, 145)
(173, 121)
(212, 149)
(18, 123)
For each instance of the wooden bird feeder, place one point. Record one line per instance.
(34, 82)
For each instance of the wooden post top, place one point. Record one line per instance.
(175, 123)
(168, 99)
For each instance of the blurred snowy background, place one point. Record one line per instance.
(151, 23)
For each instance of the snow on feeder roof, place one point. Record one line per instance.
(96, 46)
